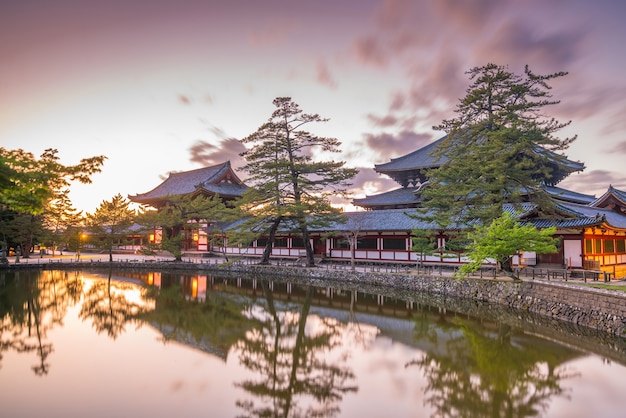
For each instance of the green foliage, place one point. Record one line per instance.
(290, 185)
(27, 184)
(58, 217)
(499, 149)
(180, 214)
(110, 223)
(503, 239)
(423, 242)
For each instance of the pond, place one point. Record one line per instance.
(158, 344)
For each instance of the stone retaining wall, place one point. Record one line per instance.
(592, 308)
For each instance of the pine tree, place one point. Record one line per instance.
(292, 190)
(500, 148)
(110, 223)
(58, 216)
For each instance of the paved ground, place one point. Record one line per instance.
(96, 257)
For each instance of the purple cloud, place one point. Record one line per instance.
(387, 145)
(207, 154)
(594, 182)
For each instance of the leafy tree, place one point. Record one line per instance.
(500, 148)
(503, 239)
(59, 216)
(20, 231)
(292, 187)
(179, 215)
(27, 184)
(110, 223)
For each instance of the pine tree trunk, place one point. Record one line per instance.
(270, 241)
(310, 258)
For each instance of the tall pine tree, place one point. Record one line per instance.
(292, 190)
(500, 148)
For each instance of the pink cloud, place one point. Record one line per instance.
(517, 43)
(271, 35)
(324, 76)
(594, 182)
(387, 145)
(370, 51)
(467, 15)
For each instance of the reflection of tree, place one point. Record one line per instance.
(213, 325)
(481, 373)
(293, 365)
(32, 303)
(107, 305)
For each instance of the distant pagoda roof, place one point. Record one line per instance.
(408, 197)
(409, 170)
(404, 197)
(218, 179)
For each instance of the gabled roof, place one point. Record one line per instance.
(578, 216)
(217, 179)
(613, 198)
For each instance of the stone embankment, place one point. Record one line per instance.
(596, 309)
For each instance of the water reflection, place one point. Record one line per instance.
(293, 349)
(109, 306)
(489, 370)
(30, 306)
(291, 363)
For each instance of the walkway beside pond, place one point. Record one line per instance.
(528, 274)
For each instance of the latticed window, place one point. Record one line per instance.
(367, 244)
(394, 244)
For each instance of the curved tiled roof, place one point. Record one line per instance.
(568, 195)
(401, 196)
(417, 159)
(209, 179)
(380, 220)
(407, 169)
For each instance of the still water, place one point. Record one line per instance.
(115, 344)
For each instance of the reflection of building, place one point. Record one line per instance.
(394, 318)
(593, 230)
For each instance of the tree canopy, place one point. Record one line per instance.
(110, 223)
(28, 183)
(292, 187)
(500, 148)
(180, 213)
(504, 238)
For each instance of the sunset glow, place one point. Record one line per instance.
(169, 86)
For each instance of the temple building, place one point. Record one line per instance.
(592, 230)
(219, 180)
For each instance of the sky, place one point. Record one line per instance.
(161, 86)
